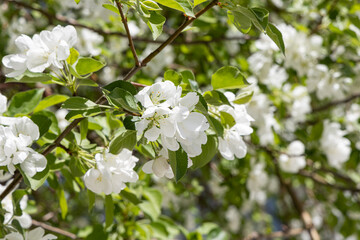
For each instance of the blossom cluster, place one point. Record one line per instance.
(16, 137)
(293, 160)
(44, 50)
(172, 118)
(111, 172)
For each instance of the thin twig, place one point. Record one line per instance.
(319, 179)
(16, 180)
(172, 37)
(335, 103)
(131, 43)
(53, 229)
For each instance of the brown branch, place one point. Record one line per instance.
(131, 43)
(172, 37)
(53, 229)
(16, 180)
(304, 215)
(319, 179)
(335, 103)
(278, 234)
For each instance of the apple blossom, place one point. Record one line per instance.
(49, 48)
(257, 182)
(333, 143)
(111, 172)
(292, 161)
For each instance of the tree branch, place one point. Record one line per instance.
(53, 229)
(172, 37)
(131, 43)
(335, 103)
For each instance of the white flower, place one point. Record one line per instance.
(88, 42)
(16, 135)
(60, 116)
(333, 143)
(49, 48)
(292, 161)
(111, 172)
(35, 234)
(231, 144)
(7, 205)
(256, 183)
(170, 117)
(160, 166)
(3, 104)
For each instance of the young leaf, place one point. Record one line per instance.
(25, 102)
(79, 103)
(173, 76)
(42, 121)
(30, 77)
(62, 203)
(216, 98)
(197, 2)
(243, 98)
(179, 163)
(50, 101)
(127, 139)
(180, 5)
(228, 77)
(111, 8)
(88, 65)
(155, 22)
(276, 36)
(240, 21)
(121, 84)
(208, 151)
(84, 124)
(227, 119)
(73, 57)
(109, 211)
(123, 99)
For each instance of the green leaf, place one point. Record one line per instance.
(84, 124)
(227, 119)
(216, 98)
(50, 101)
(216, 125)
(109, 211)
(181, 5)
(202, 105)
(87, 82)
(42, 121)
(123, 99)
(127, 139)
(179, 163)
(91, 197)
(111, 8)
(208, 151)
(74, 114)
(155, 22)
(262, 16)
(173, 76)
(188, 78)
(79, 103)
(276, 36)
(228, 77)
(76, 167)
(197, 2)
(150, 5)
(62, 202)
(73, 57)
(126, 193)
(36, 181)
(243, 98)
(30, 77)
(17, 195)
(152, 206)
(240, 21)
(77, 1)
(123, 85)
(25, 102)
(88, 65)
